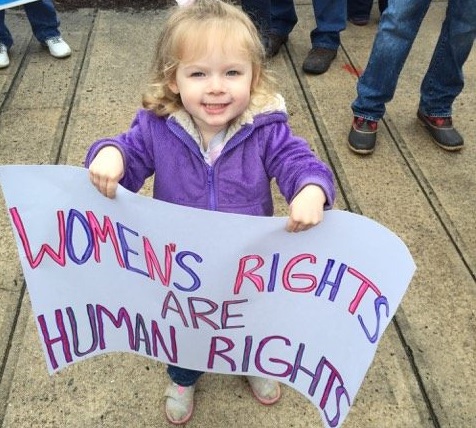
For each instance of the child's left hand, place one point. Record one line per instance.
(306, 209)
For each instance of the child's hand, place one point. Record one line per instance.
(306, 209)
(106, 170)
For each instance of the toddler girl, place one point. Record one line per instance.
(213, 134)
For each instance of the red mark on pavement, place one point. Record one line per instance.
(352, 70)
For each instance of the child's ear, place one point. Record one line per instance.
(256, 78)
(173, 87)
(254, 82)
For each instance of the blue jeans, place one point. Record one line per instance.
(260, 13)
(361, 8)
(443, 81)
(43, 20)
(330, 15)
(183, 377)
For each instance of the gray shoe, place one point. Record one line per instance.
(362, 136)
(318, 60)
(442, 131)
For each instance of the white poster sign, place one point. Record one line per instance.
(205, 290)
(5, 4)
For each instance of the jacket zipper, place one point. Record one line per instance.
(211, 169)
(211, 187)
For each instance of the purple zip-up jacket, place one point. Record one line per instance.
(238, 182)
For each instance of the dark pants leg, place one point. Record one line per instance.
(359, 9)
(260, 13)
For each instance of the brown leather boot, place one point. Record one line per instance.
(274, 43)
(318, 60)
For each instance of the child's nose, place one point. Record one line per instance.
(216, 84)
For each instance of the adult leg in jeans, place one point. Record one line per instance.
(397, 30)
(260, 13)
(331, 19)
(398, 27)
(5, 35)
(43, 19)
(444, 80)
(283, 17)
(359, 10)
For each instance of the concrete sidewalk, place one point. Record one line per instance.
(424, 373)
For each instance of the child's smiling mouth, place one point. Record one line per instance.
(215, 107)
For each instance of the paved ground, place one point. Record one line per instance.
(424, 373)
(69, 5)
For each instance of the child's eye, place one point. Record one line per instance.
(197, 74)
(233, 73)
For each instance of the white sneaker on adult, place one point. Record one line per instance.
(58, 47)
(4, 60)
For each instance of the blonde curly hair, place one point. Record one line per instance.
(191, 28)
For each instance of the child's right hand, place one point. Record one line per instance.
(106, 170)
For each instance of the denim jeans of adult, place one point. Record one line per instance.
(260, 13)
(443, 81)
(43, 20)
(359, 8)
(183, 377)
(362, 8)
(330, 17)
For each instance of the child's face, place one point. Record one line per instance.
(215, 87)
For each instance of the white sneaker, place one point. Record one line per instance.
(266, 391)
(58, 47)
(4, 60)
(179, 403)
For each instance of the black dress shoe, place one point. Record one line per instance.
(318, 60)
(442, 131)
(274, 43)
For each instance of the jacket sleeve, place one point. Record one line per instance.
(290, 160)
(136, 148)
